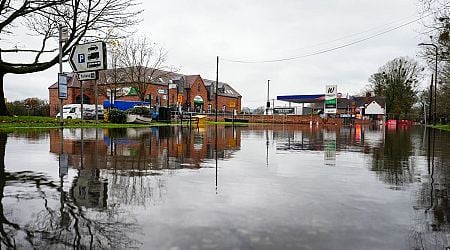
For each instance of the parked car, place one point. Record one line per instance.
(73, 111)
(89, 114)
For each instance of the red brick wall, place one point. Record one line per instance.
(196, 91)
(283, 119)
(71, 98)
(152, 90)
(231, 103)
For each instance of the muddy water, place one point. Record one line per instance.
(255, 187)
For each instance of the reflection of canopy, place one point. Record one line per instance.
(198, 100)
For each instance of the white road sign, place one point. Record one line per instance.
(88, 57)
(83, 76)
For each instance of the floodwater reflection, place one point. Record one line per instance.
(260, 187)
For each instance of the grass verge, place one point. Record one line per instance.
(442, 127)
(35, 122)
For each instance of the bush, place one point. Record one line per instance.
(144, 111)
(30, 106)
(117, 116)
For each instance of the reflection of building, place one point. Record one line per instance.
(75, 143)
(357, 138)
(147, 148)
(107, 161)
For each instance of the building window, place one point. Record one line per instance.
(198, 87)
(86, 99)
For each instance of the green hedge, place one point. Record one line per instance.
(117, 116)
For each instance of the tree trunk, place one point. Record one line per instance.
(4, 239)
(3, 109)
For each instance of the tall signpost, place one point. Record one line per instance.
(62, 95)
(62, 80)
(330, 104)
(86, 60)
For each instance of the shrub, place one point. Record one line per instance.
(117, 116)
(30, 106)
(144, 111)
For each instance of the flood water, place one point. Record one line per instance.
(254, 187)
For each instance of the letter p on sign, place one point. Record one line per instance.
(81, 58)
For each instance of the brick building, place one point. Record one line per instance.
(160, 88)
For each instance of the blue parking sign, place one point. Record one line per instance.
(81, 58)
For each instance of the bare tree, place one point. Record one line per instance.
(112, 82)
(84, 19)
(143, 62)
(437, 29)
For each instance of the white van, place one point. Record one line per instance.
(73, 111)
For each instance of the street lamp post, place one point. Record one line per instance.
(435, 78)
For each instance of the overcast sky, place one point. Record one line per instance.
(196, 31)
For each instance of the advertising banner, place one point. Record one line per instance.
(330, 104)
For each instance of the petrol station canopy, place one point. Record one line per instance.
(302, 98)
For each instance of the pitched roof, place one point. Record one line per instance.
(154, 76)
(360, 101)
(224, 89)
(190, 80)
(72, 82)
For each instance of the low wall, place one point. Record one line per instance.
(281, 119)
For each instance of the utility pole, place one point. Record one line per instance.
(268, 101)
(435, 78)
(430, 109)
(217, 84)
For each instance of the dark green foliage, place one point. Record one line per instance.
(117, 116)
(144, 111)
(397, 80)
(30, 106)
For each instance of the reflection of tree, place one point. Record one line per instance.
(392, 161)
(432, 217)
(136, 190)
(55, 225)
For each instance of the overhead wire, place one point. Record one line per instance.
(330, 49)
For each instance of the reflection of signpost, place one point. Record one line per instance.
(330, 105)
(329, 144)
(63, 164)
